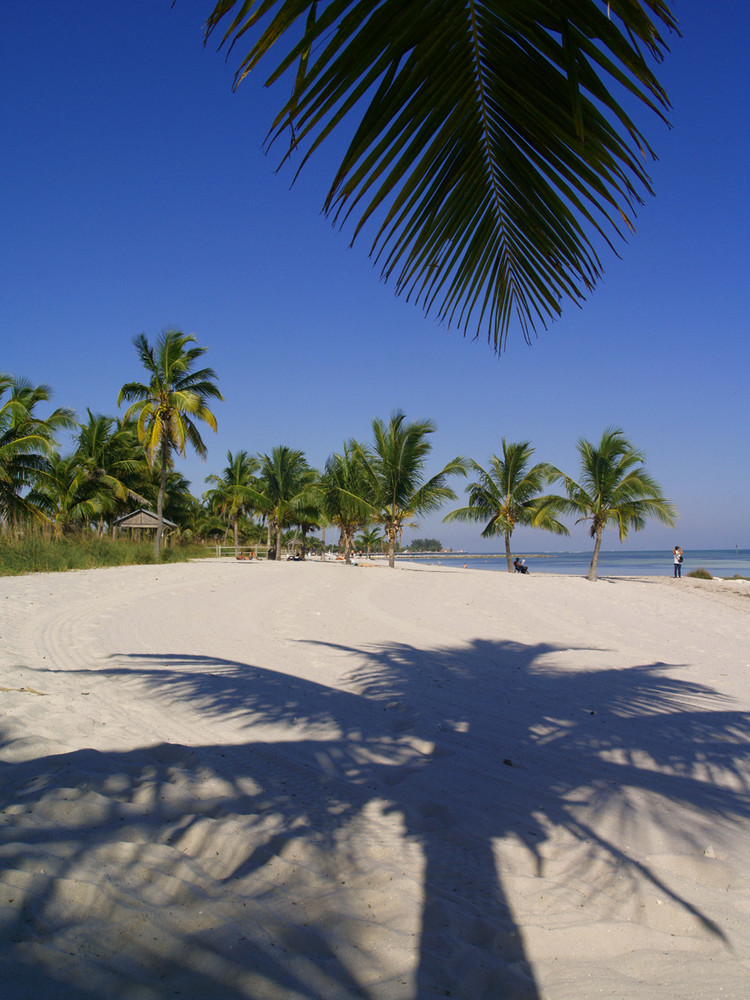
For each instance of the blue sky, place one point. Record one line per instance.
(136, 196)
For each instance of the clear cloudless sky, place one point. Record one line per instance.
(135, 195)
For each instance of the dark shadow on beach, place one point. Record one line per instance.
(492, 719)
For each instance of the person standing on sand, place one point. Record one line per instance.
(677, 554)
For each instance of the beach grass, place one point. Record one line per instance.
(35, 553)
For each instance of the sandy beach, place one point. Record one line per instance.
(234, 780)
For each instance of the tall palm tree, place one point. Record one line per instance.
(493, 145)
(396, 490)
(613, 488)
(233, 491)
(285, 491)
(508, 494)
(341, 489)
(26, 441)
(167, 406)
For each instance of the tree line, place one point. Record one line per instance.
(376, 488)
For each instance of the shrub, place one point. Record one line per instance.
(700, 574)
(35, 553)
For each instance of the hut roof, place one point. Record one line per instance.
(142, 518)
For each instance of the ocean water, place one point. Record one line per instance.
(612, 562)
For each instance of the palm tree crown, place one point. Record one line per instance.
(167, 406)
(26, 442)
(508, 494)
(285, 489)
(341, 490)
(492, 141)
(233, 493)
(394, 468)
(613, 488)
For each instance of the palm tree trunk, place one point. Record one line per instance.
(277, 526)
(595, 557)
(322, 544)
(507, 552)
(236, 538)
(391, 532)
(160, 498)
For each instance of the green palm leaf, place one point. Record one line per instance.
(489, 145)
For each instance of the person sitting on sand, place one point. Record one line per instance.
(520, 566)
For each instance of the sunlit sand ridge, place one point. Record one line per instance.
(233, 780)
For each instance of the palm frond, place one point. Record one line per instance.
(490, 148)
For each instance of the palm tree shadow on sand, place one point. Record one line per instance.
(239, 870)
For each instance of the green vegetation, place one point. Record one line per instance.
(64, 511)
(341, 491)
(491, 147)
(285, 492)
(426, 545)
(396, 490)
(700, 574)
(167, 406)
(232, 494)
(35, 553)
(369, 539)
(509, 494)
(613, 488)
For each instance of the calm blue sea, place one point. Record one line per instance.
(615, 562)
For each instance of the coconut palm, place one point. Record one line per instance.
(285, 490)
(308, 520)
(613, 488)
(396, 490)
(341, 490)
(369, 539)
(507, 494)
(65, 494)
(491, 143)
(167, 406)
(26, 441)
(233, 490)
(115, 464)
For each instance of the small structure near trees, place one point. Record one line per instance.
(140, 521)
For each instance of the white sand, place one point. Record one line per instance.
(297, 780)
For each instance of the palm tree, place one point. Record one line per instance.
(66, 496)
(285, 490)
(233, 492)
(180, 506)
(26, 441)
(167, 405)
(508, 494)
(341, 489)
(613, 488)
(370, 538)
(492, 145)
(107, 448)
(396, 490)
